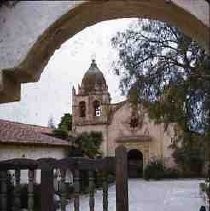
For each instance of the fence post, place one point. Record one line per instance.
(3, 190)
(91, 190)
(47, 191)
(76, 189)
(17, 200)
(63, 189)
(105, 191)
(30, 189)
(121, 179)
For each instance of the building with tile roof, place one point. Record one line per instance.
(18, 140)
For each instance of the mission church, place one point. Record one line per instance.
(120, 123)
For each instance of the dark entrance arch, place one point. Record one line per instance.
(135, 163)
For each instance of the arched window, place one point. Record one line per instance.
(96, 108)
(82, 109)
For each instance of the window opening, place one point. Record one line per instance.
(82, 109)
(97, 108)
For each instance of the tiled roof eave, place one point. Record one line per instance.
(23, 134)
(25, 143)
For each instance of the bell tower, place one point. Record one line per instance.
(90, 106)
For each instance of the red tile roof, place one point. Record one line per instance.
(25, 134)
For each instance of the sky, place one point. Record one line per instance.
(50, 97)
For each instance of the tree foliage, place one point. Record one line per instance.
(66, 122)
(168, 72)
(64, 127)
(190, 155)
(88, 144)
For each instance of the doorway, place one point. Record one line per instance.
(135, 163)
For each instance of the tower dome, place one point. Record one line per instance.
(93, 79)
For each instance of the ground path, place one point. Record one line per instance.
(167, 195)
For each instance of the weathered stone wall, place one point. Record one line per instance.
(89, 118)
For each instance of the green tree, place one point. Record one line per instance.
(168, 72)
(66, 122)
(190, 155)
(64, 127)
(87, 144)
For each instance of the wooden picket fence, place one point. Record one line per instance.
(117, 164)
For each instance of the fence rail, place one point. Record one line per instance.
(47, 167)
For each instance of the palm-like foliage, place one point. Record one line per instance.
(89, 144)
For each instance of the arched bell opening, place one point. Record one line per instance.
(96, 108)
(82, 109)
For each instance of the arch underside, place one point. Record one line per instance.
(87, 14)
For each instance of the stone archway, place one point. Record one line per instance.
(190, 16)
(135, 163)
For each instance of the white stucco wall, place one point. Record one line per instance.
(20, 26)
(31, 152)
(199, 8)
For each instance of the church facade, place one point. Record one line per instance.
(120, 123)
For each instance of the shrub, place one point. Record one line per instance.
(89, 144)
(204, 186)
(156, 170)
(171, 173)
